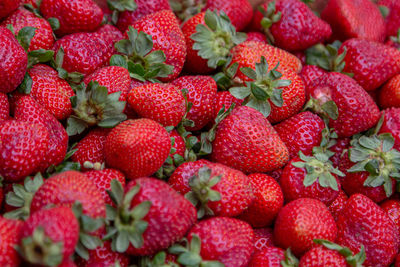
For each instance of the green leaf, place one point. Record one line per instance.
(26, 85)
(331, 109)
(261, 106)
(276, 97)
(25, 36)
(54, 23)
(122, 5)
(189, 259)
(122, 242)
(240, 92)
(258, 92)
(369, 142)
(118, 60)
(249, 72)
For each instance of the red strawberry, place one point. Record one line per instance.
(261, 151)
(7, 7)
(392, 20)
(267, 202)
(338, 204)
(292, 24)
(301, 132)
(163, 103)
(104, 256)
(23, 146)
(397, 261)
(300, 222)
(10, 237)
(392, 208)
(137, 147)
(339, 148)
(268, 257)
(225, 99)
(227, 240)
(179, 144)
(357, 111)
(179, 179)
(354, 19)
(13, 60)
(49, 236)
(389, 95)
(391, 124)
(321, 256)
(362, 222)
(76, 16)
(4, 107)
(263, 238)
(310, 73)
(202, 92)
(256, 36)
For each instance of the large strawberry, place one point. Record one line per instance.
(4, 107)
(10, 237)
(253, 144)
(389, 95)
(362, 222)
(391, 124)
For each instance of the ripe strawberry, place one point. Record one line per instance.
(7, 7)
(391, 124)
(392, 19)
(300, 222)
(225, 99)
(389, 95)
(392, 209)
(104, 256)
(65, 188)
(362, 222)
(357, 111)
(268, 257)
(137, 147)
(301, 132)
(13, 60)
(201, 93)
(23, 146)
(227, 240)
(179, 144)
(49, 236)
(76, 16)
(150, 217)
(338, 204)
(261, 151)
(4, 107)
(397, 261)
(163, 103)
(339, 148)
(291, 24)
(257, 36)
(10, 237)
(310, 73)
(263, 238)
(354, 19)
(267, 202)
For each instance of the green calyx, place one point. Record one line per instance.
(325, 107)
(270, 17)
(66, 164)
(159, 260)
(290, 260)
(21, 197)
(396, 39)
(216, 38)
(92, 105)
(266, 86)
(136, 56)
(117, 6)
(201, 185)
(125, 224)
(353, 260)
(40, 249)
(185, 9)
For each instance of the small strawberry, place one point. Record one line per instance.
(268, 257)
(338, 204)
(10, 237)
(392, 208)
(263, 238)
(391, 124)
(4, 107)
(389, 95)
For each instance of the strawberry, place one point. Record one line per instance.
(261, 151)
(362, 222)
(389, 95)
(49, 235)
(104, 256)
(339, 148)
(202, 91)
(301, 132)
(137, 147)
(290, 24)
(257, 36)
(225, 99)
(7, 7)
(178, 144)
(263, 238)
(227, 240)
(392, 209)
(163, 103)
(397, 261)
(23, 146)
(10, 237)
(13, 60)
(269, 256)
(267, 202)
(150, 217)
(77, 16)
(310, 73)
(391, 124)
(338, 204)
(4, 107)
(301, 221)
(392, 19)
(354, 19)
(357, 111)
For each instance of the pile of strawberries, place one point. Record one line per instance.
(202, 133)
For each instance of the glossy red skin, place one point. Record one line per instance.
(102, 180)
(354, 19)
(357, 110)
(52, 92)
(257, 36)
(58, 223)
(167, 36)
(225, 99)
(227, 240)
(392, 208)
(7, 7)
(87, 52)
(300, 222)
(13, 61)
(310, 73)
(362, 222)
(268, 200)
(321, 257)
(27, 109)
(298, 29)
(137, 147)
(144, 7)
(263, 238)
(67, 187)
(10, 236)
(43, 38)
(104, 256)
(391, 124)
(74, 16)
(91, 147)
(163, 103)
(371, 63)
(202, 93)
(23, 146)
(179, 179)
(4, 107)
(389, 95)
(179, 144)
(339, 149)
(301, 132)
(293, 188)
(338, 204)
(392, 20)
(268, 257)
(245, 140)
(169, 218)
